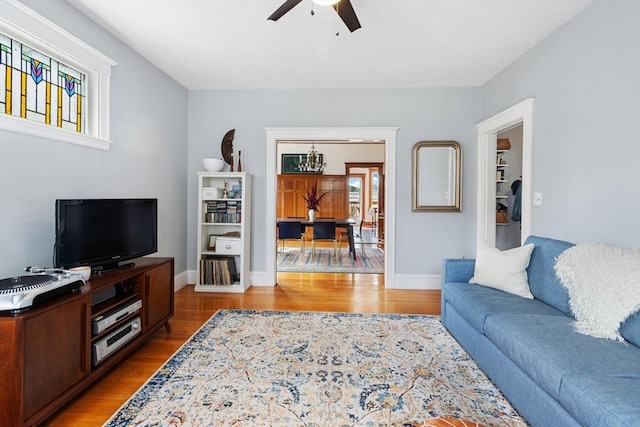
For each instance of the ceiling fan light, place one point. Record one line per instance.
(326, 2)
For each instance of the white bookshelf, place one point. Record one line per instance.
(221, 216)
(501, 190)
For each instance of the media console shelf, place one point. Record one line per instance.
(46, 352)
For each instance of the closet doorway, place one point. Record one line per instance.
(520, 115)
(509, 189)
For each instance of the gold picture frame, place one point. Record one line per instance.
(212, 242)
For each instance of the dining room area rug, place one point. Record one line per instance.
(369, 257)
(279, 368)
(369, 260)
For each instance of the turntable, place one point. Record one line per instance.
(19, 293)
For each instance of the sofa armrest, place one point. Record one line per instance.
(457, 270)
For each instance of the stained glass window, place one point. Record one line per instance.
(39, 88)
(52, 84)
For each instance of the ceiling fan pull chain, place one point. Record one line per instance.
(312, 12)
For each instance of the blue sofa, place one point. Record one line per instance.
(551, 374)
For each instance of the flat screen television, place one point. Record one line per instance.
(103, 233)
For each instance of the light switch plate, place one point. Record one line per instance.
(537, 198)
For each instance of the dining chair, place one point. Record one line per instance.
(291, 230)
(325, 230)
(373, 214)
(357, 225)
(356, 229)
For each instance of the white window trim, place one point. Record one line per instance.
(23, 24)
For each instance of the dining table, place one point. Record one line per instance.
(346, 224)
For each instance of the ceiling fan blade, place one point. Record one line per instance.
(286, 7)
(347, 14)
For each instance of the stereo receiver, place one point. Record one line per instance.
(110, 318)
(103, 348)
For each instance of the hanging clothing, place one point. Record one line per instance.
(517, 204)
(515, 186)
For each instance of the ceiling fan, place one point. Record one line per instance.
(343, 7)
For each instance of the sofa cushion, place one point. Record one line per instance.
(543, 282)
(475, 303)
(548, 348)
(602, 400)
(630, 329)
(503, 270)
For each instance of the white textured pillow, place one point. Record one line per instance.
(503, 270)
(603, 282)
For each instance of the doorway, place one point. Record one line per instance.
(370, 205)
(386, 134)
(508, 189)
(519, 115)
(350, 186)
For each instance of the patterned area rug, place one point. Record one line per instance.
(368, 260)
(273, 368)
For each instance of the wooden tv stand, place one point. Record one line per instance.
(45, 352)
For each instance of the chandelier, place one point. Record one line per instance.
(312, 163)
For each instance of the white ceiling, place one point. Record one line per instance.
(230, 44)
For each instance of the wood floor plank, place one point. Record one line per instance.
(325, 292)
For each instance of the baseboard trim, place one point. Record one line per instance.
(416, 282)
(259, 278)
(181, 280)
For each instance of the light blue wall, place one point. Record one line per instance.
(585, 78)
(586, 151)
(148, 157)
(421, 114)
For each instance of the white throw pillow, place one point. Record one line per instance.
(503, 270)
(603, 282)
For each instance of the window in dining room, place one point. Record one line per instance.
(355, 195)
(375, 176)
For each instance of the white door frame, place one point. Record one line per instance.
(387, 134)
(519, 114)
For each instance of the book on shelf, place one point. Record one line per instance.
(218, 270)
(223, 211)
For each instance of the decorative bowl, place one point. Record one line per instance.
(84, 271)
(213, 165)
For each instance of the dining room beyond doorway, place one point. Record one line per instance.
(351, 194)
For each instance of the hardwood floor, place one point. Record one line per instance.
(360, 293)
